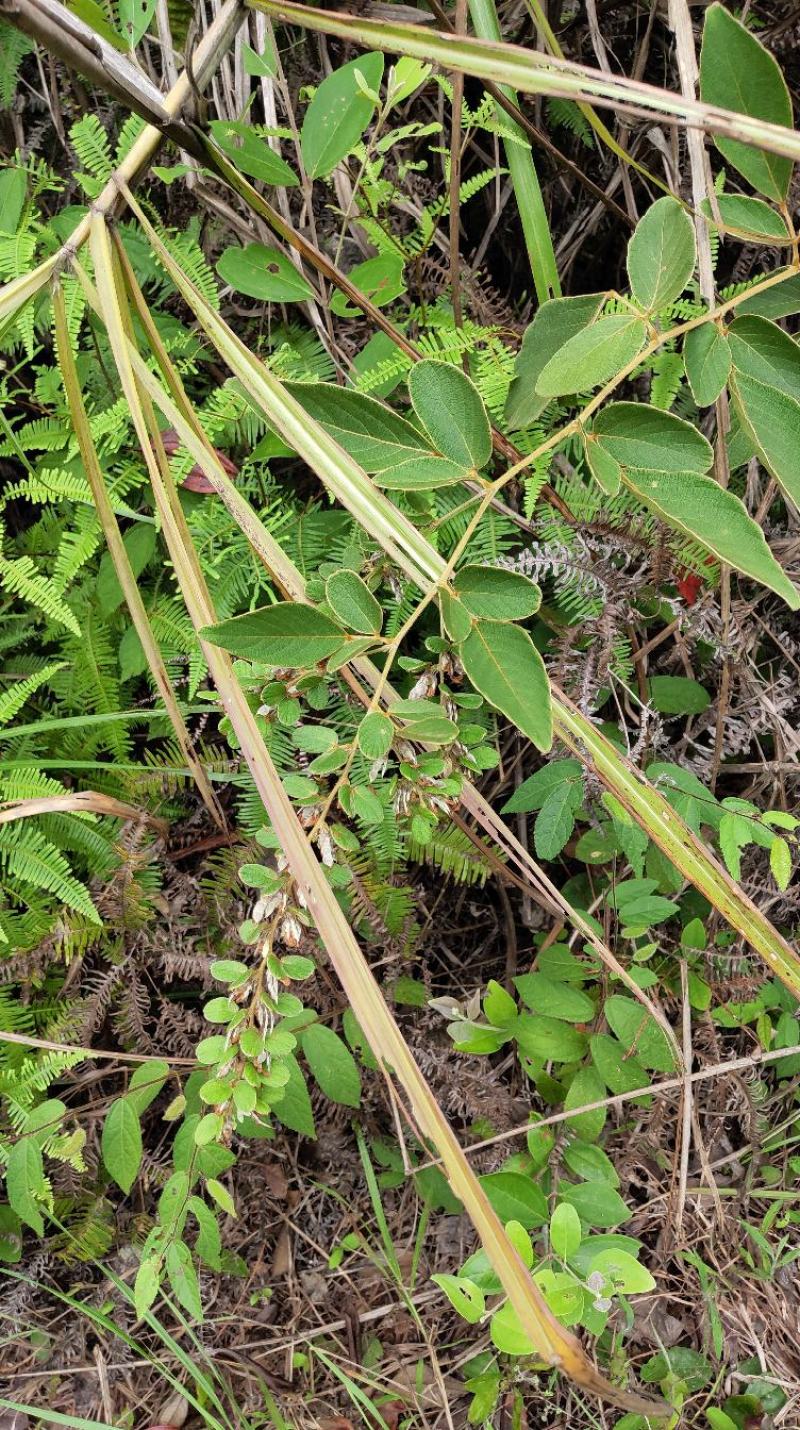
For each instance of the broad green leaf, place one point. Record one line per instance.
(498, 1005)
(516, 1198)
(596, 1203)
(586, 1087)
(294, 1109)
(287, 634)
(338, 115)
(379, 279)
(375, 735)
(497, 593)
(533, 791)
(353, 603)
(556, 819)
(780, 862)
(637, 435)
(772, 419)
(639, 1032)
(748, 218)
(263, 64)
(183, 1279)
(43, 1121)
(716, 518)
(13, 191)
(593, 356)
(554, 323)
(590, 1163)
(504, 665)
(565, 1231)
(423, 474)
(25, 1182)
(455, 616)
(623, 1271)
(684, 1364)
(451, 410)
(736, 72)
(780, 301)
(762, 350)
(463, 1295)
(520, 1241)
(604, 468)
(661, 254)
(707, 360)
(374, 435)
(145, 1287)
(252, 154)
(678, 695)
(546, 1039)
(146, 1083)
(121, 1143)
(565, 1297)
(620, 1072)
(221, 1196)
(208, 1245)
(332, 1064)
(134, 19)
(558, 1000)
(507, 1333)
(262, 272)
(10, 1235)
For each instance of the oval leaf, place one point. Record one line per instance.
(332, 1064)
(554, 323)
(504, 665)
(451, 410)
(661, 255)
(353, 603)
(121, 1143)
(593, 356)
(338, 114)
(497, 593)
(736, 72)
(262, 272)
(287, 634)
(707, 360)
(252, 154)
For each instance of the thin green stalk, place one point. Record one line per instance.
(524, 179)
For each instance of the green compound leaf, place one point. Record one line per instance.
(661, 255)
(504, 665)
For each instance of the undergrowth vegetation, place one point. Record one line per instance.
(398, 698)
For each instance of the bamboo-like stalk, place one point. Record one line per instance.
(557, 1346)
(427, 568)
(119, 556)
(534, 73)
